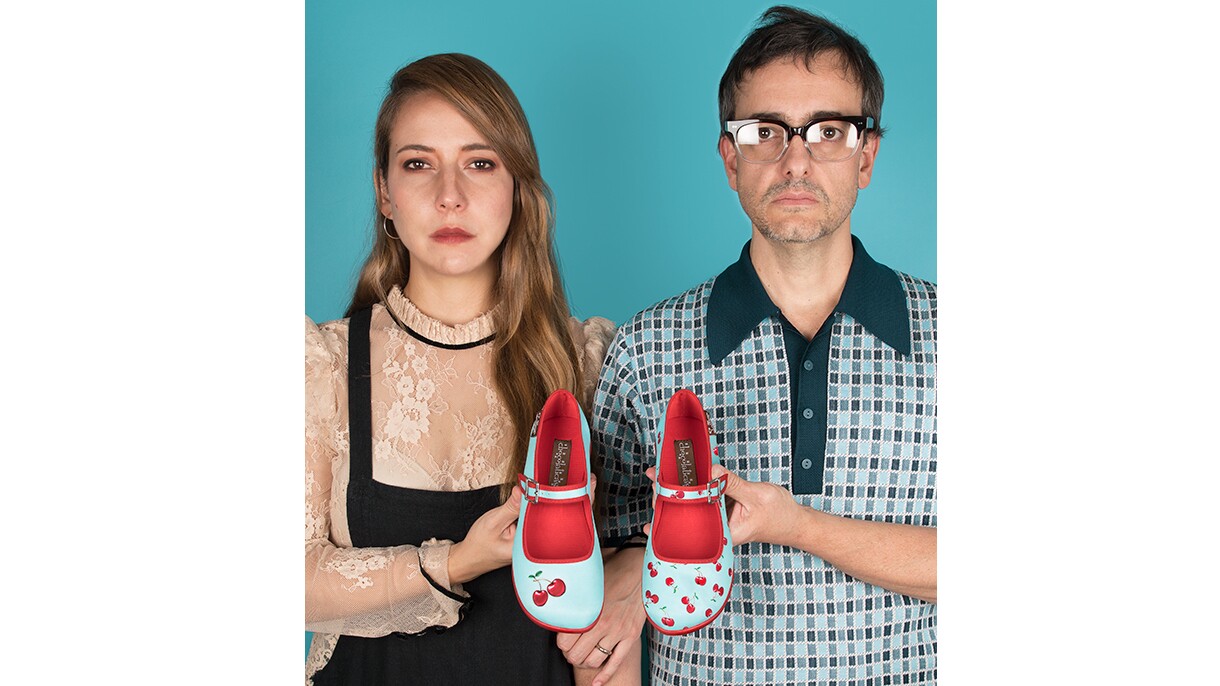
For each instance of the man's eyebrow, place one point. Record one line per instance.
(424, 148)
(779, 117)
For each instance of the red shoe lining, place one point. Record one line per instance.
(686, 532)
(559, 531)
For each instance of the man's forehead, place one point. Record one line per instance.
(825, 63)
(799, 87)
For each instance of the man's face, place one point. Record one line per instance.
(797, 199)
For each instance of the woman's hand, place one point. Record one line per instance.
(489, 543)
(617, 629)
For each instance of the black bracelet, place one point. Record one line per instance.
(465, 603)
(448, 593)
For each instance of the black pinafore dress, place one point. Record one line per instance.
(494, 642)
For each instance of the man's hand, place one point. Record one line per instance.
(618, 629)
(897, 557)
(757, 511)
(760, 511)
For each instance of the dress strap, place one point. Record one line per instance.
(360, 396)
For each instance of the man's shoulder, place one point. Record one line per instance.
(917, 289)
(676, 313)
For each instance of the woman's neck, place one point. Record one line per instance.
(450, 300)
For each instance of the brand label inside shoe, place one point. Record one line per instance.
(685, 455)
(560, 454)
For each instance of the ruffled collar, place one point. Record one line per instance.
(478, 330)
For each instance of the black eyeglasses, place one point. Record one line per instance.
(833, 139)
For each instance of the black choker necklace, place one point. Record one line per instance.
(436, 344)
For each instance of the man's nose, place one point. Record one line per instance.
(797, 159)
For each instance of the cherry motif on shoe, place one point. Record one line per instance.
(555, 587)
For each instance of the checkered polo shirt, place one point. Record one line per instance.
(791, 618)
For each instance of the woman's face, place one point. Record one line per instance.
(446, 190)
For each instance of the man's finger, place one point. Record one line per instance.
(735, 484)
(622, 651)
(596, 659)
(566, 641)
(609, 667)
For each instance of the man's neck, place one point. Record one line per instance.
(805, 280)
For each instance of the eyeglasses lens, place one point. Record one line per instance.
(828, 141)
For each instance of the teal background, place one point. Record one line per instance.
(634, 223)
(599, 81)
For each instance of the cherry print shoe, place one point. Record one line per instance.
(688, 562)
(557, 563)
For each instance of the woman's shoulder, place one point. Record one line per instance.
(592, 334)
(592, 337)
(328, 339)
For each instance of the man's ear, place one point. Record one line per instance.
(728, 153)
(382, 193)
(868, 157)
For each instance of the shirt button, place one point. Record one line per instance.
(808, 365)
(806, 463)
(807, 414)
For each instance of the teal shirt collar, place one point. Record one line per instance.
(873, 296)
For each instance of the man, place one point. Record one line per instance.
(817, 368)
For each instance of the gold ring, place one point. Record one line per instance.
(599, 647)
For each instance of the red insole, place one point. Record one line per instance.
(559, 530)
(685, 531)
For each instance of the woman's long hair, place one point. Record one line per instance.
(534, 352)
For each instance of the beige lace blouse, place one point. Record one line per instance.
(438, 424)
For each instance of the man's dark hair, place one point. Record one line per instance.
(785, 32)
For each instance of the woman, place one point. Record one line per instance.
(457, 333)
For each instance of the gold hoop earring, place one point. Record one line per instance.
(385, 226)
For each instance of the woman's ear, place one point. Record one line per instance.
(382, 193)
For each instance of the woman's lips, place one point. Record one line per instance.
(450, 235)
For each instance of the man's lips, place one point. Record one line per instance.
(796, 199)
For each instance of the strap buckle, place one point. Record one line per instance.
(529, 488)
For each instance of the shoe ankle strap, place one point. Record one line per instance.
(535, 491)
(710, 491)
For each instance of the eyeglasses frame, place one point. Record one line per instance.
(863, 124)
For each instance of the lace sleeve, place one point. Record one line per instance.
(357, 591)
